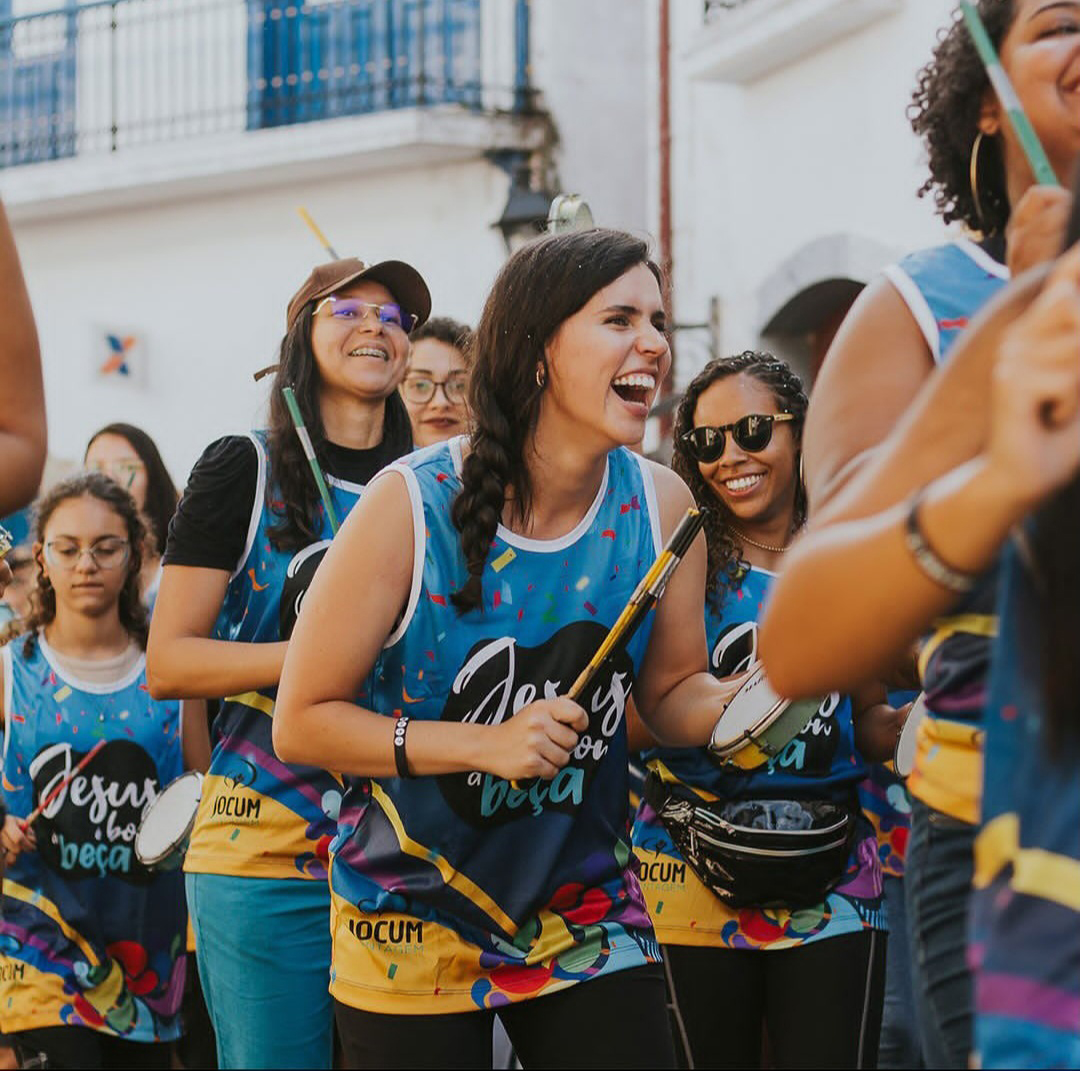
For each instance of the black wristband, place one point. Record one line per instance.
(401, 760)
(927, 559)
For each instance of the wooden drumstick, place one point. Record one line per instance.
(36, 813)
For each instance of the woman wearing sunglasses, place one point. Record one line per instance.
(435, 385)
(243, 547)
(91, 942)
(802, 960)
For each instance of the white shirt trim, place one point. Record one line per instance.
(6, 659)
(346, 485)
(412, 485)
(982, 258)
(918, 306)
(91, 687)
(256, 508)
(651, 503)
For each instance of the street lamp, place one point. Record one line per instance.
(526, 210)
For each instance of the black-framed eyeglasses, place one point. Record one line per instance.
(752, 433)
(419, 390)
(106, 554)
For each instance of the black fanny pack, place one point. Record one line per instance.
(759, 853)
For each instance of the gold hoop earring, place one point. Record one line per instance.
(974, 178)
(541, 376)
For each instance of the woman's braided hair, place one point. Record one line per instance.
(727, 567)
(944, 111)
(540, 287)
(132, 610)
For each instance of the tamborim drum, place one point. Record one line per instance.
(757, 724)
(166, 823)
(904, 756)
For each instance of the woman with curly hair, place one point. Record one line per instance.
(782, 958)
(902, 327)
(482, 864)
(246, 540)
(91, 942)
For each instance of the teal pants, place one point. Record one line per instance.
(263, 949)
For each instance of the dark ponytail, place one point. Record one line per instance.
(539, 287)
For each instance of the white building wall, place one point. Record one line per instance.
(186, 248)
(204, 284)
(820, 146)
(592, 62)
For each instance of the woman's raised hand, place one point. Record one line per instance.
(537, 741)
(15, 839)
(1035, 430)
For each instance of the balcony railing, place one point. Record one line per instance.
(106, 75)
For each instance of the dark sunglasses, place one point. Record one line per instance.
(753, 433)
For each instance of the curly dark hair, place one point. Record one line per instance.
(944, 112)
(542, 285)
(444, 329)
(97, 485)
(298, 523)
(727, 567)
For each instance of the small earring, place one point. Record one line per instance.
(541, 376)
(974, 179)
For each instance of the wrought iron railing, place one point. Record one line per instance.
(105, 75)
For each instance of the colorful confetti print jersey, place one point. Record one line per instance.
(886, 803)
(944, 288)
(462, 892)
(821, 762)
(260, 817)
(1026, 907)
(89, 936)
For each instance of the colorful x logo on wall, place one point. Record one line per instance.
(119, 349)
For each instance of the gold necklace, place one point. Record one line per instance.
(754, 543)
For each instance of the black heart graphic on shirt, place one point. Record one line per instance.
(498, 678)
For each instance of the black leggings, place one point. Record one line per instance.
(818, 1005)
(615, 1021)
(79, 1046)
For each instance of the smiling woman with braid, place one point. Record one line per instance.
(482, 858)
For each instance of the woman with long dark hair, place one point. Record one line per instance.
(482, 859)
(91, 942)
(904, 325)
(130, 457)
(248, 535)
(746, 953)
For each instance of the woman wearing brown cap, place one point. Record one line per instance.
(248, 534)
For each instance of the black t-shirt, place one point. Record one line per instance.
(210, 526)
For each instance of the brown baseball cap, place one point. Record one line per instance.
(401, 279)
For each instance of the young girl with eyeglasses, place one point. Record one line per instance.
(247, 538)
(130, 457)
(482, 864)
(437, 381)
(91, 942)
(802, 961)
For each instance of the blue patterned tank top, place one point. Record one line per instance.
(260, 817)
(462, 892)
(89, 937)
(944, 288)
